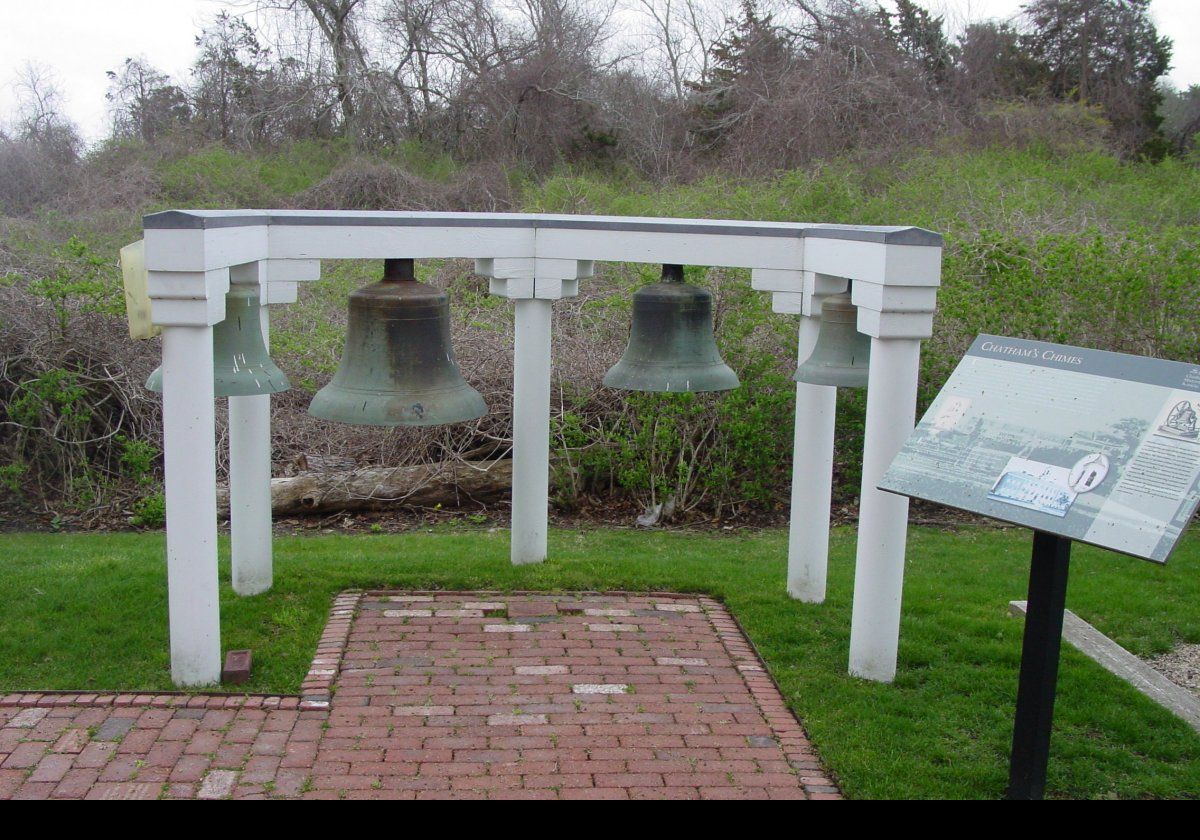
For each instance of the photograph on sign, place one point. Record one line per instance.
(1034, 485)
(1100, 447)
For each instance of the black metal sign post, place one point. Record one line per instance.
(1039, 665)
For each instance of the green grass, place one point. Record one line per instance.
(955, 192)
(89, 611)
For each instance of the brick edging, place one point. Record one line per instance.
(157, 700)
(315, 690)
(797, 748)
(541, 593)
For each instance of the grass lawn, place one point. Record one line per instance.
(88, 611)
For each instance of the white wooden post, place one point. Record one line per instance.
(250, 436)
(896, 293)
(532, 284)
(812, 480)
(531, 431)
(187, 304)
(187, 280)
(882, 517)
(802, 293)
(250, 487)
(189, 456)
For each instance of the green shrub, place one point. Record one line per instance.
(10, 478)
(296, 167)
(216, 177)
(149, 511)
(138, 460)
(82, 281)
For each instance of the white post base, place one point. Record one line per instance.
(531, 431)
(883, 517)
(191, 476)
(250, 493)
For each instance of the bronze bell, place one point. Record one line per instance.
(842, 354)
(671, 344)
(241, 365)
(398, 368)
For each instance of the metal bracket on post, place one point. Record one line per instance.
(532, 284)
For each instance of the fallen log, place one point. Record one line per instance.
(449, 483)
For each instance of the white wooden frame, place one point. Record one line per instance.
(532, 259)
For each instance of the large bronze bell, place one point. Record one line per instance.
(842, 354)
(671, 345)
(241, 365)
(398, 368)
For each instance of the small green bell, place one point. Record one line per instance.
(398, 368)
(241, 365)
(842, 354)
(671, 344)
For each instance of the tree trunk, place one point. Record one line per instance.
(380, 488)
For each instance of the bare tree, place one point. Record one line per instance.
(226, 78)
(414, 29)
(39, 159)
(39, 105)
(1181, 117)
(992, 65)
(145, 103)
(681, 35)
(337, 23)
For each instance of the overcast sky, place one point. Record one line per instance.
(78, 40)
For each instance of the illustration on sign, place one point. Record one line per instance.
(1034, 485)
(1099, 447)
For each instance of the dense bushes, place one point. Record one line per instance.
(1070, 246)
(78, 432)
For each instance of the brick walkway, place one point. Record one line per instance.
(448, 695)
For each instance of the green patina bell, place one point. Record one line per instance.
(398, 368)
(671, 344)
(241, 365)
(842, 354)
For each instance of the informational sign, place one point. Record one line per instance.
(1099, 447)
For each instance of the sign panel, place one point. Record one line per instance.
(1099, 447)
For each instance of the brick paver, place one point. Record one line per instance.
(476, 695)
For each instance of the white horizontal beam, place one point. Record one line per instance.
(730, 250)
(875, 262)
(539, 256)
(339, 242)
(201, 240)
(204, 250)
